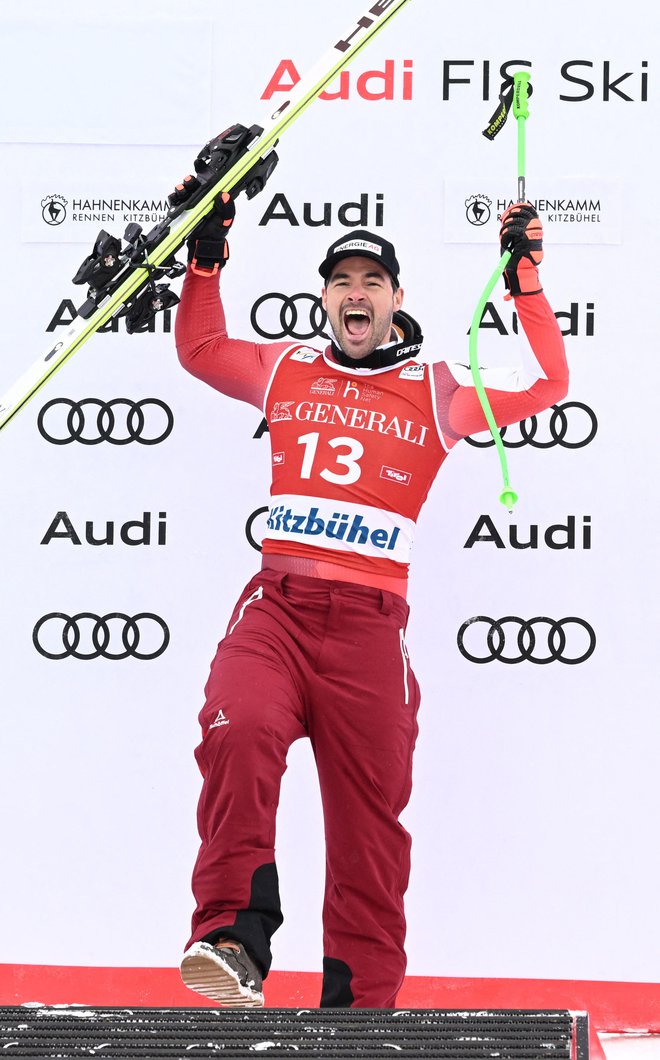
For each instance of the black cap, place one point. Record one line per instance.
(361, 244)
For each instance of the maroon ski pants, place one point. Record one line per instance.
(325, 659)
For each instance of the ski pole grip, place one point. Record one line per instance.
(521, 81)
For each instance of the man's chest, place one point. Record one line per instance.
(376, 433)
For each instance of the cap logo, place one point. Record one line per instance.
(359, 244)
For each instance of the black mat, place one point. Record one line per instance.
(64, 1032)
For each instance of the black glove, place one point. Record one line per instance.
(207, 244)
(522, 234)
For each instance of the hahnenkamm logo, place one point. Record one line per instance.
(477, 209)
(115, 209)
(53, 209)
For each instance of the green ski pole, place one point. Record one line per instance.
(508, 496)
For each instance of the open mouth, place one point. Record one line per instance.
(357, 322)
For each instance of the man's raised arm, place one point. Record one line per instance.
(236, 367)
(512, 394)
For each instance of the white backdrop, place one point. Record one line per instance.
(535, 805)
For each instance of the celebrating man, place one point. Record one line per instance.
(316, 643)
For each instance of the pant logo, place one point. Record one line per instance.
(220, 720)
(406, 664)
(256, 595)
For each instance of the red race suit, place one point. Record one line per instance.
(316, 643)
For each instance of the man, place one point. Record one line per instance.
(316, 644)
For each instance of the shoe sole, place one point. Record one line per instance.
(204, 971)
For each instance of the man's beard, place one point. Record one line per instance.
(381, 333)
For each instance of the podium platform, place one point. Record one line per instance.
(64, 1032)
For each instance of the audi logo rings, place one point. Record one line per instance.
(106, 428)
(291, 312)
(526, 640)
(249, 527)
(559, 430)
(98, 632)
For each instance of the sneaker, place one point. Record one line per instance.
(224, 972)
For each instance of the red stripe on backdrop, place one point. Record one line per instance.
(611, 1006)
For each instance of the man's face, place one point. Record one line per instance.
(360, 303)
